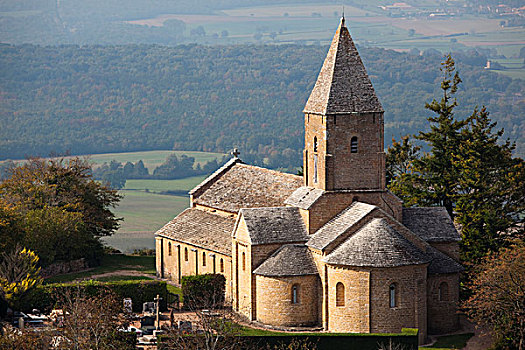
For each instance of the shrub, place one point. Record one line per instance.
(45, 297)
(203, 291)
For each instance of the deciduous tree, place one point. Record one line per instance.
(498, 298)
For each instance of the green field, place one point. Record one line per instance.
(514, 67)
(151, 159)
(145, 211)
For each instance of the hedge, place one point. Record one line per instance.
(45, 297)
(203, 291)
(326, 341)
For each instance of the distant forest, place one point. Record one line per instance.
(96, 99)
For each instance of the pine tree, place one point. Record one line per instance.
(436, 173)
(490, 205)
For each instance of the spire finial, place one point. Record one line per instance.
(343, 18)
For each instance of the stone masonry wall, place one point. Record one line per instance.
(411, 299)
(449, 248)
(200, 261)
(442, 312)
(274, 300)
(364, 169)
(315, 128)
(354, 315)
(332, 203)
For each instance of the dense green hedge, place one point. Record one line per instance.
(408, 340)
(203, 291)
(46, 296)
(344, 342)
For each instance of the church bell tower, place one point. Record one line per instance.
(344, 127)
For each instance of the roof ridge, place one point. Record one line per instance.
(269, 170)
(218, 172)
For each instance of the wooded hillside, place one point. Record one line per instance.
(96, 99)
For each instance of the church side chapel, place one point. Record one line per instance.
(333, 248)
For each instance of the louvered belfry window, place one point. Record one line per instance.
(353, 144)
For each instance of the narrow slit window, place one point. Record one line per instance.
(295, 294)
(222, 265)
(339, 294)
(185, 254)
(353, 144)
(243, 261)
(315, 168)
(169, 248)
(203, 259)
(315, 143)
(443, 291)
(393, 295)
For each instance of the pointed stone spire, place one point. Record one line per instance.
(343, 86)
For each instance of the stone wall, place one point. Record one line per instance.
(337, 167)
(199, 261)
(410, 310)
(354, 315)
(364, 169)
(274, 300)
(449, 248)
(64, 267)
(442, 306)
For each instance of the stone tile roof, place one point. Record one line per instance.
(442, 263)
(289, 260)
(274, 225)
(340, 224)
(343, 86)
(377, 244)
(432, 224)
(202, 229)
(245, 186)
(304, 197)
(216, 174)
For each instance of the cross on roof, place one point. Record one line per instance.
(235, 153)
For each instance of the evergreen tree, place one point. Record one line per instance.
(490, 206)
(436, 173)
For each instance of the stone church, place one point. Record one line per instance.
(333, 248)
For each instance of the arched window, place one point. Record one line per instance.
(185, 254)
(169, 248)
(353, 144)
(295, 294)
(315, 143)
(203, 259)
(222, 265)
(443, 291)
(339, 294)
(243, 261)
(393, 295)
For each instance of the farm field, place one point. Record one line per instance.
(143, 213)
(369, 24)
(151, 159)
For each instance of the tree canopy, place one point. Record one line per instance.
(56, 209)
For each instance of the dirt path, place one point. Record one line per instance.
(118, 273)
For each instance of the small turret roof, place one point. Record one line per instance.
(343, 86)
(377, 244)
(289, 260)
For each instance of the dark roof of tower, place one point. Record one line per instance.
(343, 86)
(377, 244)
(289, 260)
(274, 225)
(433, 224)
